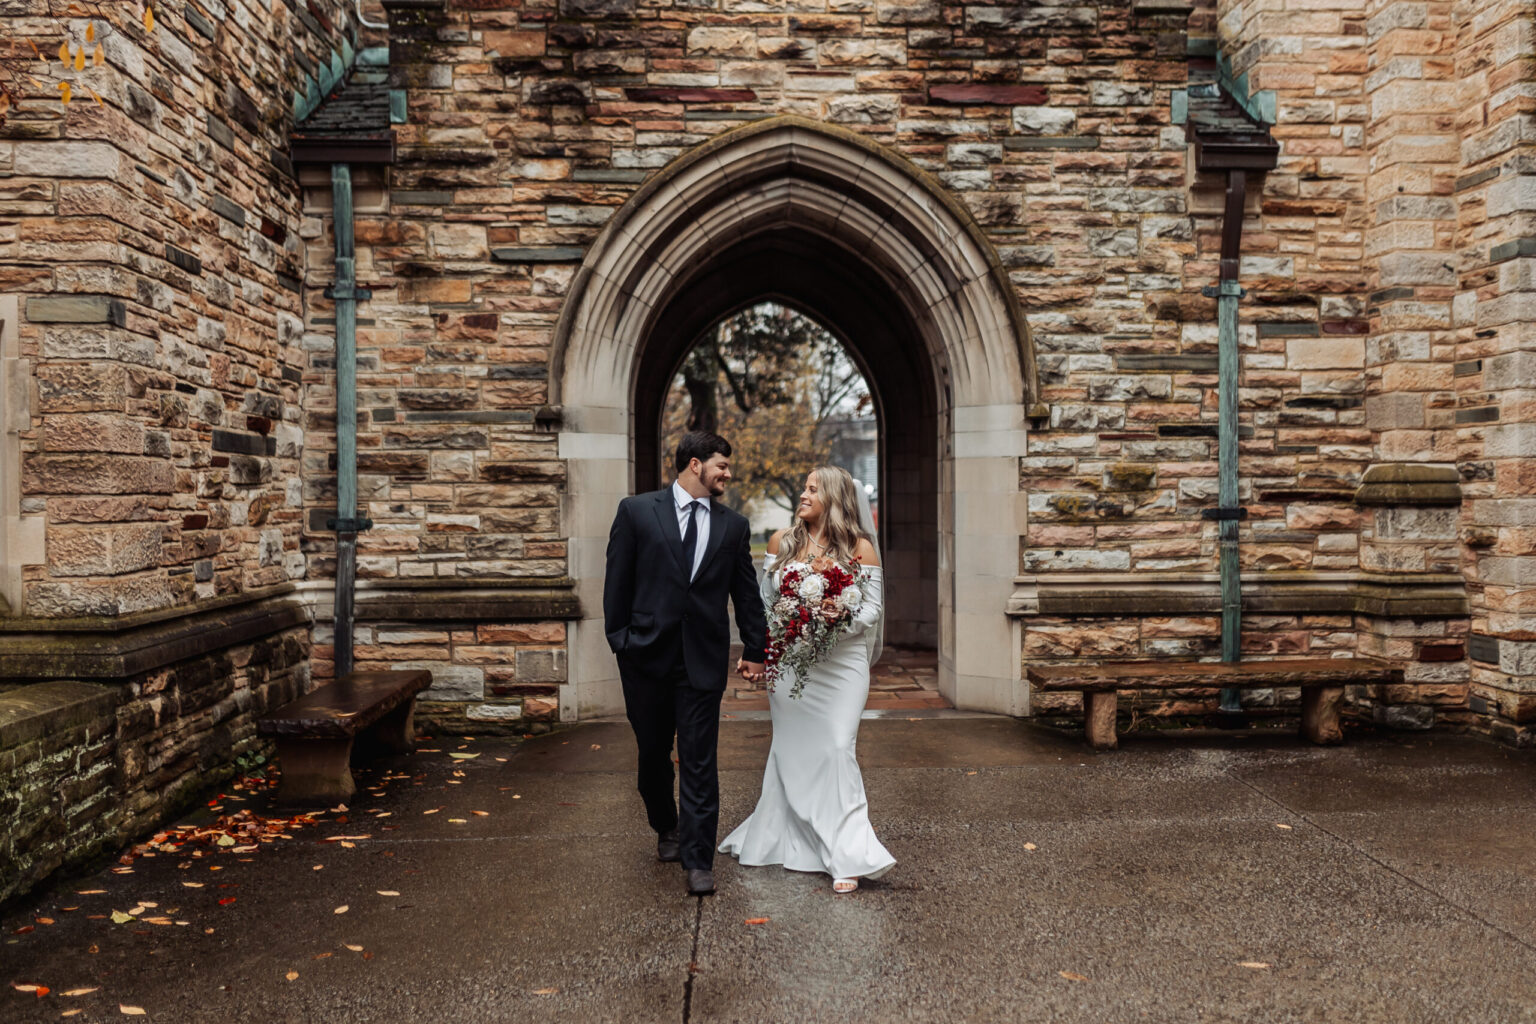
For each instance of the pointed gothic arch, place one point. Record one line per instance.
(875, 248)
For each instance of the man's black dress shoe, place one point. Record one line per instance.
(666, 847)
(701, 881)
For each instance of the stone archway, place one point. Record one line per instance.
(874, 247)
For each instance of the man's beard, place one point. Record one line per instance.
(716, 487)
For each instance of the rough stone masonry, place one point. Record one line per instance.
(170, 346)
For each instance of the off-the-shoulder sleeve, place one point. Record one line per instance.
(873, 588)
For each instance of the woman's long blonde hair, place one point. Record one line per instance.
(839, 519)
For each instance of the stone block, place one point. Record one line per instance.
(82, 387)
(92, 433)
(1325, 353)
(76, 309)
(103, 550)
(1044, 120)
(45, 473)
(58, 159)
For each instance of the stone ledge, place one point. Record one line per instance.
(1409, 483)
(89, 652)
(33, 711)
(1424, 595)
(466, 601)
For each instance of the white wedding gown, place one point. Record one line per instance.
(812, 814)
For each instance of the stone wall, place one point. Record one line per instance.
(86, 767)
(153, 240)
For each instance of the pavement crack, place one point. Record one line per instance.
(1363, 852)
(693, 961)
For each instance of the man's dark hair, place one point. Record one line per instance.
(701, 445)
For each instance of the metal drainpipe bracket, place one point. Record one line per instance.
(1224, 513)
(333, 292)
(360, 524)
(1212, 291)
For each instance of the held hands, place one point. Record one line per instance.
(751, 671)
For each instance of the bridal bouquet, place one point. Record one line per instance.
(814, 608)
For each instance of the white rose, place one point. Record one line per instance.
(850, 599)
(811, 589)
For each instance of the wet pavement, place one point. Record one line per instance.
(1200, 877)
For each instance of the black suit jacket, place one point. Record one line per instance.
(650, 609)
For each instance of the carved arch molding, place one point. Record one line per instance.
(862, 228)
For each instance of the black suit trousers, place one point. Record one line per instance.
(661, 707)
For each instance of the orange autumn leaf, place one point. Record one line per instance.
(64, 52)
(545, 991)
(132, 1011)
(80, 59)
(758, 920)
(99, 56)
(64, 92)
(1073, 975)
(149, 18)
(90, 32)
(292, 975)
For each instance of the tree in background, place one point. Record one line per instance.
(774, 382)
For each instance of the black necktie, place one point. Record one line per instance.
(691, 537)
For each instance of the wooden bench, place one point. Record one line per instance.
(314, 733)
(1322, 682)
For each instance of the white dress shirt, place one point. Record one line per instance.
(681, 498)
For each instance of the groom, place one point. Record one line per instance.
(674, 556)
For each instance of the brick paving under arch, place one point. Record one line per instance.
(904, 679)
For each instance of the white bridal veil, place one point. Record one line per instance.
(875, 636)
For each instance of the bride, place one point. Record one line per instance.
(812, 815)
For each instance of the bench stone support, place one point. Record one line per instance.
(1320, 706)
(396, 731)
(315, 772)
(1099, 708)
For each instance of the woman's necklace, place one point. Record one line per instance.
(821, 546)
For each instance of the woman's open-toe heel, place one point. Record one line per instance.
(844, 885)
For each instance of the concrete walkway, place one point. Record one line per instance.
(1208, 877)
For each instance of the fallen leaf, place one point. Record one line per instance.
(1257, 965)
(90, 892)
(1284, 826)
(337, 839)
(340, 910)
(1073, 975)
(1030, 846)
(481, 814)
(318, 867)
(970, 773)
(45, 920)
(355, 949)
(387, 892)
(193, 885)
(227, 900)
(323, 956)
(463, 757)
(597, 746)
(458, 821)
(80, 991)
(368, 956)
(37, 990)
(118, 917)
(757, 920)
(432, 811)
(25, 929)
(292, 975)
(545, 991)
(71, 1013)
(132, 1011)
